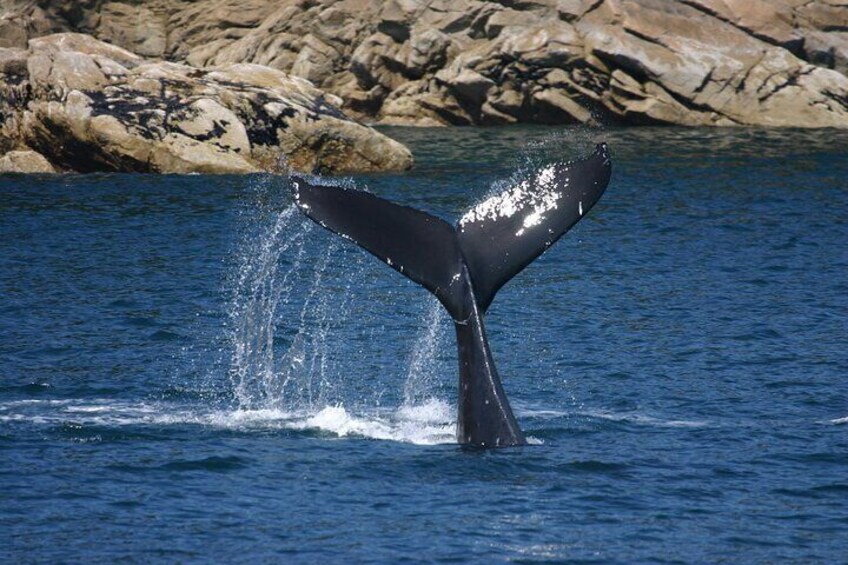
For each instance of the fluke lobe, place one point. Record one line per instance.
(465, 265)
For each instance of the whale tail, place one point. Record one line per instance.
(465, 265)
(422, 247)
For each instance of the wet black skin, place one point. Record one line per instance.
(464, 266)
(484, 417)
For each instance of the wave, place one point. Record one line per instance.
(629, 416)
(428, 423)
(642, 419)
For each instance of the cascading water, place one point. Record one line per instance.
(294, 324)
(303, 372)
(257, 293)
(292, 319)
(424, 362)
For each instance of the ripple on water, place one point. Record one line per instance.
(681, 354)
(214, 463)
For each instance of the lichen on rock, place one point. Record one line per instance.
(91, 106)
(462, 62)
(441, 62)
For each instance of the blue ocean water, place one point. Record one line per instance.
(192, 372)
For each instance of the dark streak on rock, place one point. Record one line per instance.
(842, 100)
(795, 46)
(646, 38)
(216, 132)
(792, 80)
(592, 8)
(700, 88)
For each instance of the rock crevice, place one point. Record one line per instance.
(91, 106)
(440, 62)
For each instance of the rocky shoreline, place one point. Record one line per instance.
(324, 64)
(89, 106)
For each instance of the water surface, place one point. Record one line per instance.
(192, 372)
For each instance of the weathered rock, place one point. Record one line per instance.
(25, 162)
(89, 106)
(22, 19)
(14, 93)
(693, 62)
(709, 75)
(769, 21)
(136, 27)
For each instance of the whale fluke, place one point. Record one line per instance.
(505, 233)
(422, 247)
(465, 265)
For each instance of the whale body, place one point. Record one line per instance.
(464, 265)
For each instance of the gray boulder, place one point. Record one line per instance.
(91, 106)
(25, 162)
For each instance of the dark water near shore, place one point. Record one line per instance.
(191, 372)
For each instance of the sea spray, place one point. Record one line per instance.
(297, 334)
(306, 359)
(287, 293)
(422, 382)
(252, 312)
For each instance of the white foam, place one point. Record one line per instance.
(527, 412)
(429, 423)
(540, 413)
(840, 420)
(426, 424)
(431, 411)
(643, 419)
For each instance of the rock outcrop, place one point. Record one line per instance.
(692, 62)
(25, 162)
(91, 106)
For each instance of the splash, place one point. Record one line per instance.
(424, 362)
(258, 291)
(427, 424)
(303, 378)
(290, 328)
(275, 265)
